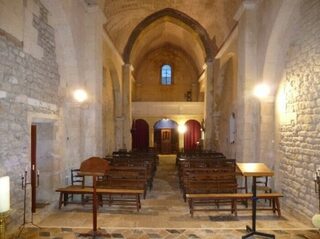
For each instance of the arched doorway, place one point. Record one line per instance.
(166, 138)
(192, 136)
(140, 135)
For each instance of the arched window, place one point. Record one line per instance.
(166, 75)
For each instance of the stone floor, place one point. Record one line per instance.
(164, 214)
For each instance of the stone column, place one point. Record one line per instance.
(126, 105)
(247, 106)
(208, 107)
(91, 115)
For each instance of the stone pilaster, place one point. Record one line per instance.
(92, 78)
(247, 105)
(208, 108)
(126, 105)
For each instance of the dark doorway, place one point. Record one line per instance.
(33, 167)
(166, 138)
(166, 141)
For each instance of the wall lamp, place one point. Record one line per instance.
(261, 91)
(4, 203)
(80, 95)
(182, 128)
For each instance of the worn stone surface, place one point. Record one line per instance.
(29, 86)
(299, 142)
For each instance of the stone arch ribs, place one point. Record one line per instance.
(175, 14)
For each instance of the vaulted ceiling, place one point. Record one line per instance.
(123, 17)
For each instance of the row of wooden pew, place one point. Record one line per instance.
(128, 177)
(210, 180)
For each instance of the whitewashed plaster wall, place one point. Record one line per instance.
(112, 96)
(80, 37)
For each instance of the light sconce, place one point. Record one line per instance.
(262, 91)
(80, 95)
(182, 128)
(4, 203)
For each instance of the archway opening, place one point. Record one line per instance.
(166, 138)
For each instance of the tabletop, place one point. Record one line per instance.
(254, 169)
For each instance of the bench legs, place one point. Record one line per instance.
(275, 206)
(137, 200)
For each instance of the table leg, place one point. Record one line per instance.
(94, 232)
(252, 231)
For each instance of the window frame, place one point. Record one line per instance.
(171, 75)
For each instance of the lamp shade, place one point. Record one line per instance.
(4, 194)
(316, 220)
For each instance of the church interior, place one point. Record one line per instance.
(161, 82)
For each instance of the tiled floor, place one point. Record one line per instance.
(164, 214)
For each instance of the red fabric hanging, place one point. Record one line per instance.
(140, 135)
(192, 136)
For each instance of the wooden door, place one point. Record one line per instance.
(33, 174)
(166, 141)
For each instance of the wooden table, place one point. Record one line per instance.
(254, 170)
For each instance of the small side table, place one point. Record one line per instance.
(254, 170)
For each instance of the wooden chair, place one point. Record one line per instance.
(262, 185)
(77, 180)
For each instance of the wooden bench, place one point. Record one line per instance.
(71, 190)
(207, 200)
(127, 178)
(134, 193)
(132, 196)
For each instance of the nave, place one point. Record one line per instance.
(164, 214)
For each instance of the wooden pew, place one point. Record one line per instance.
(134, 193)
(203, 201)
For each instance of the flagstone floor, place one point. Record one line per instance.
(164, 214)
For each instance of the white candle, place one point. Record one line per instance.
(4, 194)
(38, 172)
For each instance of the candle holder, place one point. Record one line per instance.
(24, 184)
(316, 217)
(317, 184)
(3, 218)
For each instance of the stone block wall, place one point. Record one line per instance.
(28, 86)
(300, 135)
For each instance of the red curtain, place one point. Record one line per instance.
(192, 136)
(140, 135)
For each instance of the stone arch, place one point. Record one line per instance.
(275, 52)
(115, 79)
(181, 17)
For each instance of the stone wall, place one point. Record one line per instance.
(28, 88)
(300, 120)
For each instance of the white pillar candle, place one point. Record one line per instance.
(4, 194)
